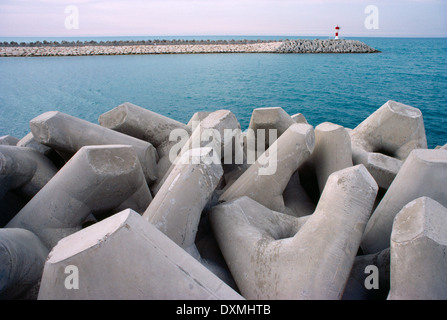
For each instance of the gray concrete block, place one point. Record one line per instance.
(418, 252)
(177, 207)
(395, 129)
(273, 256)
(150, 265)
(8, 140)
(68, 134)
(29, 142)
(299, 118)
(389, 134)
(22, 258)
(210, 132)
(266, 179)
(140, 123)
(198, 117)
(332, 151)
(270, 118)
(24, 171)
(424, 173)
(96, 179)
(382, 167)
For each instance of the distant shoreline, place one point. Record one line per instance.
(129, 47)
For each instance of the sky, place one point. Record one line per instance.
(76, 18)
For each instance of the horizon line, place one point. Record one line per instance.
(228, 35)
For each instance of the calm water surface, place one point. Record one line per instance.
(339, 88)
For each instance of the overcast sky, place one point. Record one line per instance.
(52, 18)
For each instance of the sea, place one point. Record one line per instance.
(339, 88)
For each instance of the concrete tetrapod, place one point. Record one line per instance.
(146, 125)
(271, 259)
(150, 265)
(418, 252)
(198, 117)
(393, 131)
(29, 142)
(266, 179)
(96, 179)
(332, 151)
(299, 118)
(22, 257)
(8, 140)
(210, 132)
(178, 205)
(382, 167)
(424, 173)
(140, 123)
(69, 134)
(265, 119)
(24, 170)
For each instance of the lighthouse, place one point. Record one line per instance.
(337, 28)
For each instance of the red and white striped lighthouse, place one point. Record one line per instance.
(337, 28)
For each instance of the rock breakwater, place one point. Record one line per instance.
(175, 47)
(325, 46)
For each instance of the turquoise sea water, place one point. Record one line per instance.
(339, 88)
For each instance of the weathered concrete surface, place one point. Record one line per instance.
(178, 205)
(150, 265)
(418, 252)
(220, 121)
(96, 179)
(266, 119)
(394, 130)
(140, 123)
(198, 117)
(285, 155)
(210, 132)
(29, 142)
(69, 134)
(360, 274)
(424, 173)
(146, 125)
(22, 257)
(271, 258)
(332, 151)
(383, 168)
(8, 140)
(24, 171)
(59, 158)
(299, 118)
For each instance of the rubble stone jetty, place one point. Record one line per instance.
(106, 211)
(173, 47)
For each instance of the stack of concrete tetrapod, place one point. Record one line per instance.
(202, 210)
